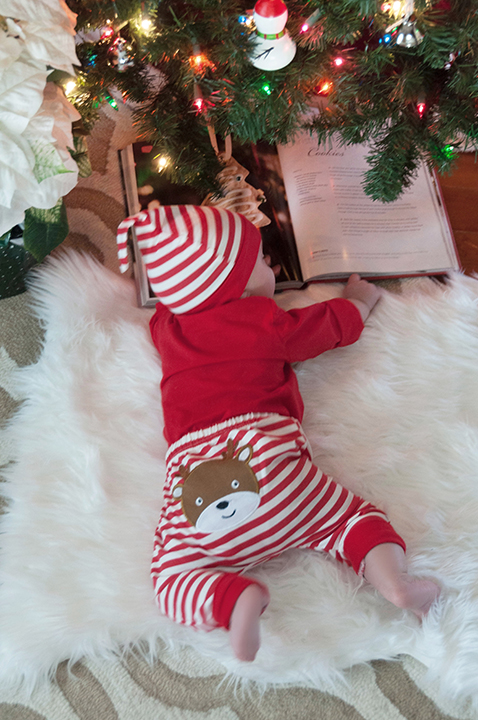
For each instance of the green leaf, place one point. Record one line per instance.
(45, 229)
(80, 156)
(48, 162)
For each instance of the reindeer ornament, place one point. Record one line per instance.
(219, 494)
(237, 194)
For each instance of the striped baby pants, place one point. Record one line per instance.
(238, 494)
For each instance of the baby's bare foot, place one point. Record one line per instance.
(415, 594)
(386, 569)
(244, 625)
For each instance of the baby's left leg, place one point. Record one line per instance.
(245, 621)
(385, 567)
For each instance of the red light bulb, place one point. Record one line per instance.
(199, 104)
(107, 32)
(421, 107)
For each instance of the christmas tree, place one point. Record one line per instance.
(399, 75)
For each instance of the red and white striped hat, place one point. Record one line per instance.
(195, 257)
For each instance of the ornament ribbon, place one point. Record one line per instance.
(270, 36)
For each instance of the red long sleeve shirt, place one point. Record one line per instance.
(235, 358)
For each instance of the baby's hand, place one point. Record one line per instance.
(362, 294)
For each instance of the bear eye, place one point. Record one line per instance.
(199, 501)
(235, 484)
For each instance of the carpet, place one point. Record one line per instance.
(96, 206)
(394, 416)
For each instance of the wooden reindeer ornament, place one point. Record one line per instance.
(237, 195)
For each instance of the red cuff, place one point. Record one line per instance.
(367, 534)
(227, 590)
(349, 320)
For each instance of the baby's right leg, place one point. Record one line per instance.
(385, 567)
(244, 627)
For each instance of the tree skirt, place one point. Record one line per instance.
(394, 417)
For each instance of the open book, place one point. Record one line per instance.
(323, 226)
(339, 230)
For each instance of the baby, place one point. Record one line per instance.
(241, 486)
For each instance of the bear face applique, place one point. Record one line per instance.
(219, 494)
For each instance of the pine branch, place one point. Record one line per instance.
(374, 93)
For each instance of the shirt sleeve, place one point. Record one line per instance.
(157, 322)
(310, 331)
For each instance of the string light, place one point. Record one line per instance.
(70, 87)
(146, 24)
(338, 61)
(246, 20)
(199, 104)
(325, 87)
(163, 162)
(198, 62)
(449, 151)
(266, 88)
(311, 20)
(107, 33)
(421, 107)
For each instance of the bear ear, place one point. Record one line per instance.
(178, 491)
(244, 454)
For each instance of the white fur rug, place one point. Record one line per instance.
(395, 417)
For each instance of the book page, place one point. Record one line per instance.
(340, 230)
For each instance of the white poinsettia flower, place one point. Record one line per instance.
(21, 90)
(10, 51)
(46, 28)
(49, 134)
(52, 12)
(36, 168)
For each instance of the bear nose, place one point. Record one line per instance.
(222, 505)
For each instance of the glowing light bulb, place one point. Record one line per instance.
(199, 62)
(325, 87)
(199, 104)
(266, 88)
(397, 7)
(146, 24)
(449, 151)
(386, 7)
(70, 87)
(246, 20)
(163, 162)
(107, 32)
(304, 28)
(421, 107)
(338, 61)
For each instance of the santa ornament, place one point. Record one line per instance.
(274, 48)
